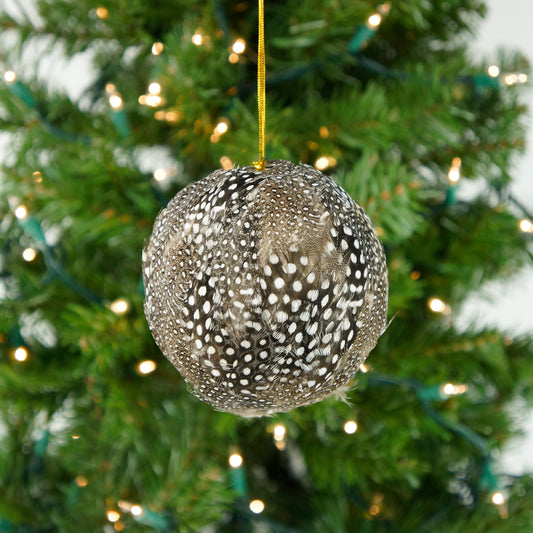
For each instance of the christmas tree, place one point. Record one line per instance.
(97, 430)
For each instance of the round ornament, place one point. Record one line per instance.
(265, 289)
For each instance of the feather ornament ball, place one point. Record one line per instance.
(265, 289)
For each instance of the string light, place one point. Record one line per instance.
(222, 127)
(146, 367)
(226, 162)
(233, 58)
(364, 368)
(157, 48)
(449, 389)
(498, 498)
(454, 174)
(136, 510)
(197, 39)
(102, 12)
(493, 71)
(37, 177)
(113, 516)
(20, 354)
(436, 305)
(350, 427)
(279, 432)
(526, 225)
(29, 254)
(257, 506)
(9, 76)
(115, 101)
(239, 46)
(374, 20)
(21, 212)
(120, 306)
(235, 460)
(81, 481)
(74, 437)
(154, 88)
(160, 174)
(322, 163)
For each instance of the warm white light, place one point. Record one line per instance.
(257, 506)
(151, 100)
(522, 78)
(526, 225)
(436, 305)
(322, 163)
(157, 48)
(454, 174)
(235, 460)
(374, 20)
(449, 389)
(239, 46)
(154, 88)
(510, 79)
(160, 174)
(21, 212)
(113, 516)
(9, 76)
(110, 88)
(20, 354)
(279, 432)
(494, 71)
(498, 498)
(221, 128)
(146, 367)
(197, 39)
(81, 481)
(233, 58)
(136, 510)
(115, 101)
(350, 427)
(75, 437)
(29, 254)
(363, 368)
(120, 306)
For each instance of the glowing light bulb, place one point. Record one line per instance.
(257, 506)
(20, 354)
(160, 174)
(21, 212)
(235, 460)
(29, 254)
(510, 79)
(494, 71)
(113, 516)
(157, 48)
(102, 12)
(322, 163)
(363, 368)
(75, 437)
(436, 305)
(239, 46)
(522, 78)
(226, 162)
(221, 128)
(146, 367)
(374, 20)
(115, 101)
(233, 58)
(81, 481)
(154, 88)
(9, 76)
(454, 175)
(279, 432)
(498, 498)
(197, 39)
(136, 510)
(526, 225)
(120, 306)
(350, 427)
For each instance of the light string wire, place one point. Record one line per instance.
(261, 90)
